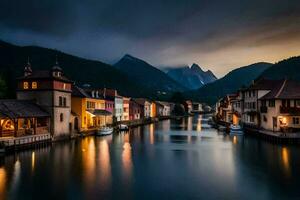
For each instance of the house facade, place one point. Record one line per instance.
(126, 102)
(147, 104)
(89, 107)
(135, 110)
(280, 108)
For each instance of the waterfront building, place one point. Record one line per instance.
(251, 95)
(188, 106)
(237, 108)
(147, 104)
(50, 90)
(135, 110)
(163, 108)
(153, 113)
(20, 118)
(112, 94)
(224, 109)
(89, 109)
(197, 107)
(280, 107)
(125, 116)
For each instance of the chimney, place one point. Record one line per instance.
(104, 92)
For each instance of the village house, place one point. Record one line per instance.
(147, 104)
(136, 110)
(197, 107)
(280, 107)
(251, 112)
(112, 94)
(125, 116)
(153, 113)
(163, 109)
(88, 107)
(188, 106)
(237, 108)
(224, 109)
(51, 91)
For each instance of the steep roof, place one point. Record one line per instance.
(288, 89)
(264, 84)
(141, 101)
(44, 74)
(79, 92)
(20, 109)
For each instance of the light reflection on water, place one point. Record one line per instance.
(172, 159)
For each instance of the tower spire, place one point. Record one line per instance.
(27, 69)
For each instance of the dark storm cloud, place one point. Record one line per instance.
(160, 31)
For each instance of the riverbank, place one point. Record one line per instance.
(11, 144)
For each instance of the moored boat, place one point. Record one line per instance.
(236, 130)
(104, 131)
(123, 127)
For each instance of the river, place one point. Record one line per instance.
(171, 159)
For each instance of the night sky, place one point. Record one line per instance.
(218, 35)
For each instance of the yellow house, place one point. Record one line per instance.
(153, 109)
(89, 108)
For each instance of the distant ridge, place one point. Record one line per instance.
(83, 71)
(147, 75)
(191, 77)
(231, 82)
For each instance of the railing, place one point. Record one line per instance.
(263, 109)
(289, 110)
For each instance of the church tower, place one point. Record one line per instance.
(51, 90)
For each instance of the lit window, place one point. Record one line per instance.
(34, 85)
(25, 85)
(64, 86)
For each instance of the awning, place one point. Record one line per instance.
(99, 112)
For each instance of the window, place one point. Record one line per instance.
(61, 117)
(297, 103)
(251, 118)
(60, 101)
(64, 86)
(34, 85)
(263, 103)
(296, 120)
(271, 103)
(25, 85)
(265, 118)
(65, 102)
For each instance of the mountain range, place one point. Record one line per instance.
(191, 77)
(147, 75)
(83, 71)
(230, 83)
(134, 77)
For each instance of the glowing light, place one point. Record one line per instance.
(32, 160)
(2, 182)
(104, 163)
(284, 120)
(285, 159)
(151, 133)
(199, 124)
(234, 139)
(127, 160)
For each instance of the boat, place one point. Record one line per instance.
(236, 130)
(104, 131)
(123, 127)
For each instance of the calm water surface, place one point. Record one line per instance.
(172, 159)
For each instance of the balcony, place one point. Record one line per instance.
(263, 109)
(290, 110)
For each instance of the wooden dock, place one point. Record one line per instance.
(8, 143)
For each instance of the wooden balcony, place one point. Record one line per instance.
(290, 110)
